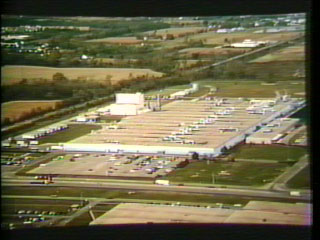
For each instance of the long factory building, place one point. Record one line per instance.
(186, 126)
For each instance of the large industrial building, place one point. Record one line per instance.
(272, 132)
(185, 126)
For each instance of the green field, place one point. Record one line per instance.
(241, 173)
(301, 180)
(168, 90)
(74, 131)
(252, 88)
(269, 152)
(303, 114)
(85, 218)
(202, 91)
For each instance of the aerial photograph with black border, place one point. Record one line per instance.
(156, 119)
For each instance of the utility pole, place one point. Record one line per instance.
(81, 202)
(213, 179)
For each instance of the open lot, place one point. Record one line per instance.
(14, 74)
(255, 212)
(237, 173)
(14, 110)
(248, 89)
(269, 152)
(73, 131)
(103, 165)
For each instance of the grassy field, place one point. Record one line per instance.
(218, 38)
(13, 205)
(117, 40)
(213, 51)
(74, 131)
(275, 70)
(181, 64)
(301, 180)
(122, 40)
(115, 61)
(168, 90)
(293, 53)
(176, 31)
(213, 38)
(303, 115)
(269, 152)
(14, 74)
(14, 110)
(201, 92)
(85, 218)
(241, 173)
(252, 88)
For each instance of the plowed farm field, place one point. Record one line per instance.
(14, 74)
(14, 110)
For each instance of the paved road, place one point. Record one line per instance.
(77, 213)
(279, 184)
(159, 188)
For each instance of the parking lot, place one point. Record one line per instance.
(18, 159)
(109, 165)
(24, 213)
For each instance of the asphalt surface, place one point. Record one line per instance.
(161, 188)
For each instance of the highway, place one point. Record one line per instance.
(127, 186)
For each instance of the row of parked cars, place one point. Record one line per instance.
(42, 213)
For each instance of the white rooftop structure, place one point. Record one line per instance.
(129, 98)
(127, 104)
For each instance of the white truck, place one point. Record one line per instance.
(162, 182)
(295, 193)
(56, 147)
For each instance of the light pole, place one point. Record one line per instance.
(213, 180)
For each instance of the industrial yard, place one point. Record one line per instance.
(182, 127)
